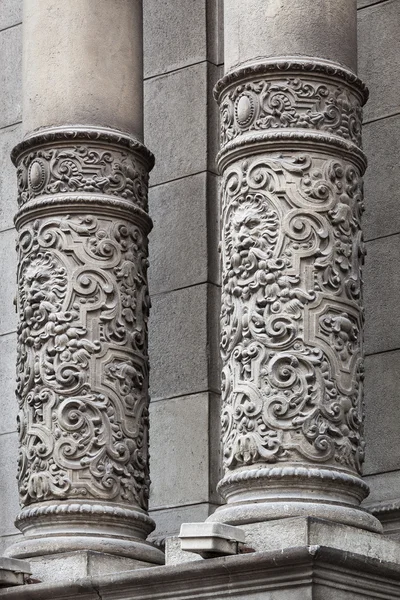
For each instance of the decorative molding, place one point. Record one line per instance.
(292, 314)
(293, 102)
(82, 361)
(298, 65)
(93, 162)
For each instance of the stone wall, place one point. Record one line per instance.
(10, 134)
(183, 56)
(379, 48)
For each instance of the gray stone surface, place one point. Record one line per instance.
(8, 401)
(8, 278)
(180, 451)
(365, 3)
(11, 75)
(91, 75)
(180, 248)
(8, 178)
(378, 64)
(382, 412)
(175, 113)
(179, 342)
(382, 179)
(174, 555)
(283, 27)
(8, 540)
(381, 293)
(76, 565)
(384, 488)
(8, 489)
(10, 13)
(174, 34)
(305, 531)
(169, 520)
(302, 573)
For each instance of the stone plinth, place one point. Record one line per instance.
(298, 572)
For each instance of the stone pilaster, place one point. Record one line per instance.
(83, 303)
(292, 252)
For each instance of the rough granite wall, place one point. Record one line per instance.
(183, 56)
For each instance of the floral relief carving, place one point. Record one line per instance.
(293, 102)
(291, 315)
(82, 366)
(82, 168)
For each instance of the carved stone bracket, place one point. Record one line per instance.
(82, 365)
(292, 314)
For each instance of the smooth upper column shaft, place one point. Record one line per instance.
(83, 64)
(320, 28)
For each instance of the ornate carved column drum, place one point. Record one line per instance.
(292, 251)
(83, 303)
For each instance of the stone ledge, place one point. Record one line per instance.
(13, 572)
(292, 574)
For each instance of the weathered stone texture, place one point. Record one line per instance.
(181, 252)
(8, 177)
(175, 35)
(382, 412)
(10, 13)
(8, 487)
(8, 268)
(175, 113)
(382, 180)
(8, 404)
(11, 75)
(378, 64)
(180, 470)
(179, 344)
(381, 293)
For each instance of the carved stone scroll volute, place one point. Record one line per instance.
(82, 367)
(292, 314)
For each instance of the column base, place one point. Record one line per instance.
(265, 512)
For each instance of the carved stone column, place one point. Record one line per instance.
(292, 251)
(83, 303)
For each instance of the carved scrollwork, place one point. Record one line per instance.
(82, 360)
(291, 315)
(293, 102)
(82, 168)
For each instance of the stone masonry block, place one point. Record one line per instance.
(8, 402)
(382, 382)
(174, 34)
(381, 295)
(382, 179)
(169, 520)
(178, 242)
(384, 487)
(8, 176)
(8, 278)
(179, 342)
(8, 488)
(175, 122)
(365, 3)
(179, 463)
(10, 13)
(379, 49)
(11, 72)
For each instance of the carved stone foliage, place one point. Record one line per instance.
(297, 101)
(291, 316)
(82, 168)
(82, 367)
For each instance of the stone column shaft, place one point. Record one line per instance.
(82, 221)
(292, 251)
